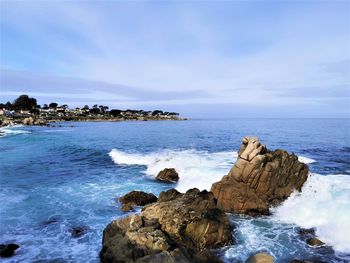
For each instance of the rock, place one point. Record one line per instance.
(7, 122)
(168, 175)
(314, 242)
(261, 258)
(306, 231)
(28, 121)
(177, 228)
(40, 122)
(7, 250)
(78, 231)
(136, 198)
(259, 179)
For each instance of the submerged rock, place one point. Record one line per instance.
(261, 258)
(168, 175)
(7, 250)
(177, 228)
(314, 242)
(78, 231)
(136, 198)
(306, 231)
(259, 179)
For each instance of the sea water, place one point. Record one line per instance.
(56, 178)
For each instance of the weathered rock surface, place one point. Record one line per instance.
(315, 242)
(136, 198)
(259, 179)
(177, 228)
(28, 121)
(8, 250)
(168, 175)
(261, 258)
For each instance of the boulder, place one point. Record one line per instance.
(168, 175)
(7, 250)
(28, 121)
(40, 122)
(136, 198)
(314, 242)
(260, 178)
(177, 228)
(261, 258)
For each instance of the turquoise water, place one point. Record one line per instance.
(53, 179)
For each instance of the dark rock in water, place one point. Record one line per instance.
(315, 242)
(7, 250)
(259, 179)
(261, 258)
(78, 231)
(168, 175)
(306, 231)
(136, 198)
(177, 228)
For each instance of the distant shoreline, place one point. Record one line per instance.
(32, 121)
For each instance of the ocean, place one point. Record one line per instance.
(56, 178)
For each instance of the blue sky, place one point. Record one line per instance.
(201, 58)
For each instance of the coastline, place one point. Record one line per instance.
(30, 121)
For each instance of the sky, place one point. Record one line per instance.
(204, 59)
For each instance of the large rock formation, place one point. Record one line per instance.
(168, 175)
(177, 228)
(259, 179)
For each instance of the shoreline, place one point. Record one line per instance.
(30, 121)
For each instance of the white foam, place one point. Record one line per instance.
(306, 160)
(324, 203)
(12, 130)
(196, 168)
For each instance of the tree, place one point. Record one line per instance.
(53, 105)
(45, 107)
(2, 106)
(8, 105)
(115, 113)
(157, 112)
(23, 102)
(86, 107)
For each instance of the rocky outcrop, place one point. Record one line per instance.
(78, 231)
(314, 242)
(136, 198)
(28, 121)
(8, 250)
(259, 179)
(177, 228)
(261, 258)
(168, 175)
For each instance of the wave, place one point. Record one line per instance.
(196, 168)
(12, 130)
(306, 160)
(324, 203)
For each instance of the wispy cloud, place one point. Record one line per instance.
(181, 53)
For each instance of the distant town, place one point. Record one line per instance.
(25, 110)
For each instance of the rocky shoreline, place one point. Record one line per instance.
(30, 121)
(185, 228)
(193, 226)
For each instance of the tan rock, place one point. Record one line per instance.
(315, 242)
(261, 258)
(259, 179)
(168, 175)
(28, 121)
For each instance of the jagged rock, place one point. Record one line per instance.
(177, 228)
(259, 179)
(136, 198)
(168, 175)
(315, 242)
(7, 250)
(261, 258)
(28, 121)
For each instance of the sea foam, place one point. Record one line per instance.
(324, 203)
